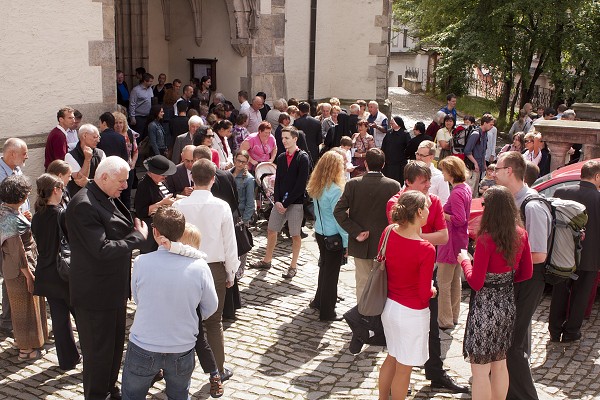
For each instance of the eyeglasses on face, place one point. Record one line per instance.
(241, 161)
(417, 154)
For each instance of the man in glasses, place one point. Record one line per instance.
(509, 172)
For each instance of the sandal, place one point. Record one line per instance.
(30, 356)
(291, 272)
(216, 386)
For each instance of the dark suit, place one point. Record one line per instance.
(362, 208)
(101, 237)
(177, 125)
(569, 299)
(365, 199)
(181, 141)
(314, 136)
(113, 144)
(225, 188)
(179, 180)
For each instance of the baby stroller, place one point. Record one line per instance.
(264, 173)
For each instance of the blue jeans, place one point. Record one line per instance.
(142, 365)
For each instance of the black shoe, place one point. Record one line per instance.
(334, 317)
(356, 345)
(571, 338)
(313, 305)
(303, 235)
(226, 374)
(446, 382)
(115, 393)
(555, 338)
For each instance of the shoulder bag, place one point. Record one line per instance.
(374, 295)
(332, 242)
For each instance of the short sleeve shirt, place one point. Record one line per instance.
(537, 220)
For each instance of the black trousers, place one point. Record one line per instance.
(528, 295)
(569, 301)
(203, 350)
(434, 366)
(329, 272)
(66, 350)
(102, 337)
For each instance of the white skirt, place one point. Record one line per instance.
(406, 333)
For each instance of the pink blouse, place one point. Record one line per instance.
(259, 151)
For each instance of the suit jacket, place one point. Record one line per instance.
(113, 144)
(586, 194)
(180, 142)
(101, 237)
(179, 180)
(225, 189)
(314, 137)
(362, 208)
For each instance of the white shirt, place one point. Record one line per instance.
(75, 167)
(212, 216)
(72, 139)
(490, 151)
(244, 107)
(439, 186)
(224, 158)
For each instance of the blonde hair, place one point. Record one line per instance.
(119, 116)
(329, 170)
(191, 236)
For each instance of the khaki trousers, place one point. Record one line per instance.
(448, 277)
(213, 325)
(361, 273)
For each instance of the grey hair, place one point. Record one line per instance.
(13, 144)
(439, 117)
(374, 103)
(195, 120)
(111, 165)
(280, 104)
(354, 108)
(220, 97)
(87, 128)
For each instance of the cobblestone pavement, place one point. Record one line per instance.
(278, 348)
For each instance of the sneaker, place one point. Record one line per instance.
(260, 265)
(291, 272)
(216, 386)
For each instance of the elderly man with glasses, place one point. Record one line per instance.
(439, 186)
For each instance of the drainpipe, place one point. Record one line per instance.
(312, 51)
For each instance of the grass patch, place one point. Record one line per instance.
(472, 105)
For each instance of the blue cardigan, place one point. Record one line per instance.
(324, 206)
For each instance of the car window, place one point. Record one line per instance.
(549, 191)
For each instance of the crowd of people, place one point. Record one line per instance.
(370, 183)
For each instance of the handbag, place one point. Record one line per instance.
(374, 295)
(63, 256)
(144, 148)
(332, 242)
(243, 237)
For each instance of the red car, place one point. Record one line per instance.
(546, 185)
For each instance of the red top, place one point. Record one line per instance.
(488, 259)
(435, 220)
(215, 157)
(56, 146)
(289, 157)
(409, 266)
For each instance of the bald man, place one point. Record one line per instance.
(181, 182)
